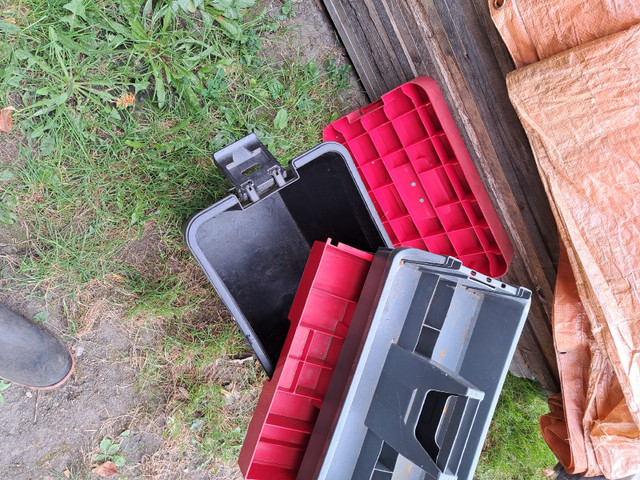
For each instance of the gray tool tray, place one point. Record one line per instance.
(413, 397)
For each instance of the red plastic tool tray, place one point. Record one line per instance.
(421, 178)
(289, 404)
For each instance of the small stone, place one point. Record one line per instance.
(79, 351)
(29, 394)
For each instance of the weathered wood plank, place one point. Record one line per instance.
(454, 42)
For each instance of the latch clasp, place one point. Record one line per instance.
(251, 168)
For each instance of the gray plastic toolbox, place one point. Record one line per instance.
(413, 397)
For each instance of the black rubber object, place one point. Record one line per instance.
(31, 355)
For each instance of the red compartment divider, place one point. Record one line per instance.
(421, 178)
(289, 403)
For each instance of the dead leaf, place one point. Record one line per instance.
(66, 473)
(10, 20)
(549, 472)
(107, 469)
(5, 119)
(183, 392)
(125, 100)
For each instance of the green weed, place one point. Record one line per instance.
(338, 73)
(514, 448)
(3, 386)
(41, 317)
(110, 450)
(287, 10)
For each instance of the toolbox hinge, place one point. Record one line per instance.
(251, 168)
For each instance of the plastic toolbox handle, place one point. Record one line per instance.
(423, 410)
(250, 167)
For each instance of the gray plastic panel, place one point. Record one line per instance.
(414, 396)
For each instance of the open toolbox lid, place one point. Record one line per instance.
(253, 246)
(413, 397)
(421, 178)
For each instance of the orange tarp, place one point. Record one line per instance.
(580, 108)
(537, 29)
(589, 428)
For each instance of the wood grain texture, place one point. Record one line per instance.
(455, 43)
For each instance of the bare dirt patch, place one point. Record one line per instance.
(56, 431)
(314, 39)
(53, 431)
(10, 147)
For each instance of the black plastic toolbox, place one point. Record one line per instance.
(413, 397)
(254, 245)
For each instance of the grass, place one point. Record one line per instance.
(95, 172)
(122, 105)
(212, 387)
(514, 449)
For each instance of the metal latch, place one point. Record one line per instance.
(250, 167)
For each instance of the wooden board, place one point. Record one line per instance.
(455, 43)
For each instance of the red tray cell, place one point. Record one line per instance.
(440, 243)
(376, 174)
(440, 188)
(411, 134)
(350, 130)
(486, 239)
(443, 147)
(415, 198)
(405, 229)
(429, 227)
(423, 155)
(417, 243)
(375, 118)
(289, 403)
(396, 159)
(430, 120)
(362, 147)
(460, 185)
(453, 217)
(465, 242)
(389, 203)
(385, 139)
(397, 105)
(474, 214)
(389, 229)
